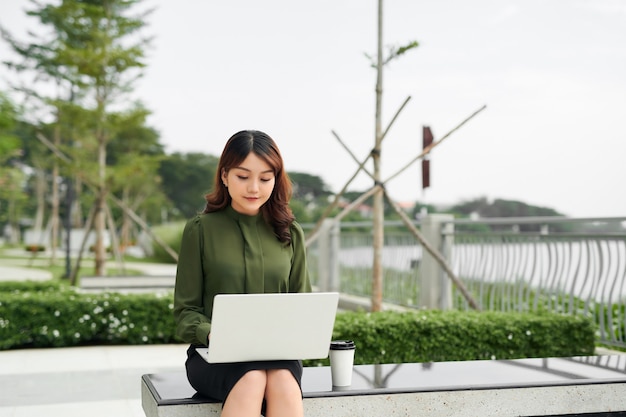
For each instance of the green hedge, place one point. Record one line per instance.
(436, 336)
(34, 286)
(50, 314)
(57, 316)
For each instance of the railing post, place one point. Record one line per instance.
(435, 288)
(328, 248)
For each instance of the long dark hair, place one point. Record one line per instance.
(276, 210)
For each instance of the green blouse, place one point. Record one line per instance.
(226, 252)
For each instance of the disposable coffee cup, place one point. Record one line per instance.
(341, 361)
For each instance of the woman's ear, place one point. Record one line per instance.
(224, 177)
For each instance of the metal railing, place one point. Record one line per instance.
(570, 266)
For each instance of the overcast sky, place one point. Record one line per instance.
(551, 73)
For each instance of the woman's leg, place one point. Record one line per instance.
(282, 394)
(246, 397)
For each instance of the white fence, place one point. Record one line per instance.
(572, 266)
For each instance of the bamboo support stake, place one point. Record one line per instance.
(395, 116)
(434, 252)
(315, 232)
(357, 202)
(314, 235)
(144, 226)
(361, 166)
(53, 148)
(440, 259)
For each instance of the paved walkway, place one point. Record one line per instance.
(27, 269)
(95, 381)
(15, 273)
(155, 275)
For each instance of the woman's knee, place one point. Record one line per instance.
(281, 382)
(255, 378)
(246, 397)
(252, 383)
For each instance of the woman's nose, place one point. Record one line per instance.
(253, 186)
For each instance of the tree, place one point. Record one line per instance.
(507, 208)
(133, 135)
(91, 55)
(134, 155)
(94, 53)
(310, 196)
(378, 197)
(12, 194)
(501, 208)
(186, 179)
(307, 186)
(35, 156)
(9, 142)
(41, 58)
(107, 63)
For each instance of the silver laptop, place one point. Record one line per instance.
(256, 327)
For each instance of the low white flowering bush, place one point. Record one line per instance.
(38, 315)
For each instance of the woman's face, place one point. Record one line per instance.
(250, 184)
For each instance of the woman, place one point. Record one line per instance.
(245, 241)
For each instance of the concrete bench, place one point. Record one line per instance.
(589, 386)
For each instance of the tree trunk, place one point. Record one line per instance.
(54, 212)
(125, 236)
(77, 212)
(99, 217)
(378, 220)
(40, 189)
(74, 278)
(14, 228)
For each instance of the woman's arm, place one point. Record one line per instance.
(192, 324)
(299, 274)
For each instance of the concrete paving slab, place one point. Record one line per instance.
(95, 380)
(117, 408)
(91, 358)
(15, 273)
(156, 269)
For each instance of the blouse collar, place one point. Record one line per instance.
(234, 214)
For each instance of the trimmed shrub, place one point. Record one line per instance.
(48, 314)
(25, 286)
(64, 317)
(436, 336)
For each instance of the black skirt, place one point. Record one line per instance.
(215, 380)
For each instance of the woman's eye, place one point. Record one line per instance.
(241, 177)
(266, 179)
